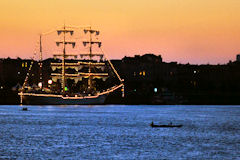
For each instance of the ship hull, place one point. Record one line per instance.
(45, 100)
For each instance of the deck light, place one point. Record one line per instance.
(50, 81)
(65, 89)
(40, 84)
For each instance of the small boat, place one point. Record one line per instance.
(24, 109)
(165, 126)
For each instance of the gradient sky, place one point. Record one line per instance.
(194, 31)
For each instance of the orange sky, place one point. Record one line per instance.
(195, 31)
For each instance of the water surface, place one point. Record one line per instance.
(119, 132)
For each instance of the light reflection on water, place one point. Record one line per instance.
(119, 132)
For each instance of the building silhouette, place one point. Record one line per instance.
(148, 80)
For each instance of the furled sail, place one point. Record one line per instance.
(91, 31)
(78, 66)
(65, 30)
(66, 42)
(92, 42)
(79, 76)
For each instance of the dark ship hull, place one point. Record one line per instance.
(43, 99)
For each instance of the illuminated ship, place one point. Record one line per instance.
(83, 70)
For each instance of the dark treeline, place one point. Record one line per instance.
(147, 80)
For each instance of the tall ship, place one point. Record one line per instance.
(76, 77)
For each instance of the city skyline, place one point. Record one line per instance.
(198, 32)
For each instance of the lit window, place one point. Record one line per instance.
(26, 64)
(144, 73)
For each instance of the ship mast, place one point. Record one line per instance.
(63, 62)
(90, 42)
(40, 49)
(64, 42)
(90, 59)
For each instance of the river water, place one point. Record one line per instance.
(119, 132)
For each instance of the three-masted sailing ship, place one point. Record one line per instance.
(81, 69)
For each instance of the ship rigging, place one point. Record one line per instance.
(78, 67)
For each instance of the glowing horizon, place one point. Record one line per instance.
(197, 32)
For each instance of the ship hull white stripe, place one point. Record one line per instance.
(41, 99)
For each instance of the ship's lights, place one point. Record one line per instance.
(40, 84)
(50, 81)
(143, 73)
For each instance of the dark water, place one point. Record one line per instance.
(119, 132)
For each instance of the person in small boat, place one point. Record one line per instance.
(170, 124)
(24, 108)
(152, 123)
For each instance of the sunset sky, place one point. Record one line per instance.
(194, 31)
